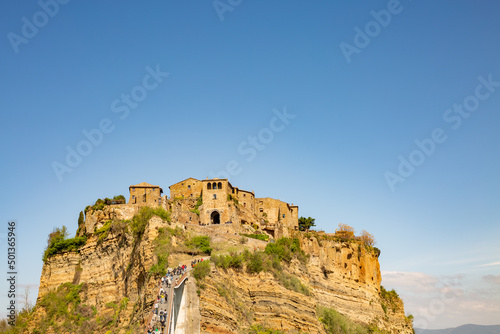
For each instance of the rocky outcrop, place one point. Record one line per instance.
(112, 269)
(340, 275)
(95, 219)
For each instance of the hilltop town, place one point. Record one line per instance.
(208, 258)
(213, 202)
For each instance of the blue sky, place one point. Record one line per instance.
(352, 115)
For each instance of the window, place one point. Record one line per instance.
(215, 196)
(133, 196)
(283, 215)
(191, 195)
(233, 190)
(219, 185)
(261, 210)
(244, 195)
(209, 186)
(189, 187)
(214, 185)
(245, 205)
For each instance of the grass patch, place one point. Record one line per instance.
(263, 237)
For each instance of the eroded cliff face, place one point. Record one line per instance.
(113, 269)
(346, 276)
(340, 275)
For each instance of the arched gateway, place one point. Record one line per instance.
(215, 217)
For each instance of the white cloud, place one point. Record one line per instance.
(445, 301)
(497, 263)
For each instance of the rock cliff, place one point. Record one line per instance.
(114, 265)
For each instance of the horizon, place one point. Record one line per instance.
(380, 115)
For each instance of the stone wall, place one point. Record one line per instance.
(189, 188)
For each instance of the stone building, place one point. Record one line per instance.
(224, 203)
(188, 188)
(145, 194)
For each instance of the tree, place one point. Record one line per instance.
(345, 228)
(80, 219)
(367, 238)
(306, 223)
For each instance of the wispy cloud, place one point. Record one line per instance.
(497, 263)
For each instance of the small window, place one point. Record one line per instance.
(214, 185)
(244, 195)
(189, 187)
(261, 210)
(191, 195)
(219, 185)
(209, 186)
(245, 205)
(133, 196)
(215, 196)
(283, 215)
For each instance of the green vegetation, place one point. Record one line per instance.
(58, 243)
(199, 244)
(263, 237)
(259, 329)
(64, 312)
(336, 323)
(199, 202)
(141, 219)
(163, 248)
(201, 270)
(284, 250)
(389, 298)
(101, 203)
(234, 199)
(306, 223)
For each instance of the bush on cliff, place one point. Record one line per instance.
(141, 219)
(199, 243)
(58, 243)
(201, 270)
(336, 323)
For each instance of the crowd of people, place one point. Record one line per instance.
(160, 310)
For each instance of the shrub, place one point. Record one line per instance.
(57, 243)
(243, 240)
(141, 219)
(234, 261)
(201, 270)
(201, 242)
(254, 264)
(336, 323)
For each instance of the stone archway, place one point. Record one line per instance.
(215, 217)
